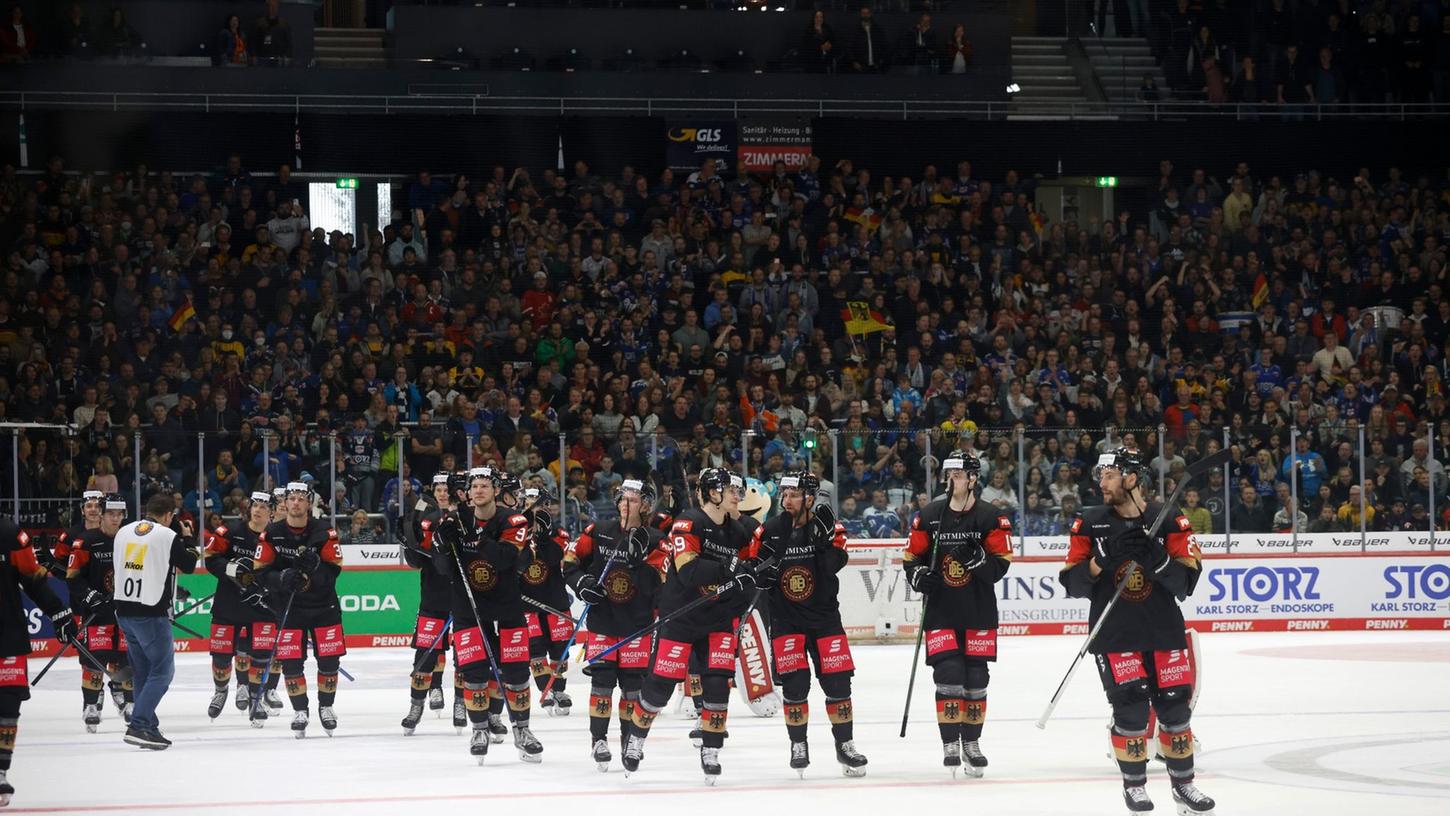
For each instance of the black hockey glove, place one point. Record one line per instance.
(589, 590)
(64, 624)
(747, 573)
(240, 570)
(256, 595)
(308, 561)
(448, 534)
(94, 600)
(294, 579)
(638, 545)
(540, 520)
(823, 527)
(970, 556)
(920, 578)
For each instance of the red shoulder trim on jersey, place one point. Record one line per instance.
(1004, 523)
(682, 526)
(1076, 525)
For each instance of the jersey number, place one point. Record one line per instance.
(131, 588)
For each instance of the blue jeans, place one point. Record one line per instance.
(154, 663)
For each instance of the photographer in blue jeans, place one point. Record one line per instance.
(147, 554)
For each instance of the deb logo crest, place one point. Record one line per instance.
(689, 134)
(1417, 581)
(1264, 583)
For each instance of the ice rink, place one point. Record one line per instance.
(1308, 723)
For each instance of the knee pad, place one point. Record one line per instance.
(717, 688)
(1130, 714)
(795, 686)
(836, 686)
(977, 676)
(328, 665)
(604, 675)
(10, 699)
(1171, 705)
(950, 672)
(476, 674)
(293, 668)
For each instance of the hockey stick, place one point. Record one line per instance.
(1199, 468)
(540, 605)
(195, 605)
(63, 647)
(272, 658)
(722, 589)
(916, 656)
(442, 637)
(579, 624)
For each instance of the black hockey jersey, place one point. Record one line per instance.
(92, 567)
(807, 591)
(435, 593)
(631, 585)
(700, 555)
(224, 545)
(946, 539)
(488, 550)
(277, 550)
(19, 570)
(1146, 617)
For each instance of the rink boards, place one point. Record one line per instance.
(1390, 581)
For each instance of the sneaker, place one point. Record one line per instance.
(148, 738)
(853, 763)
(528, 745)
(415, 714)
(1191, 800)
(1136, 798)
(800, 757)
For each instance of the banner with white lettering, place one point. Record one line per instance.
(689, 142)
(1240, 592)
(765, 140)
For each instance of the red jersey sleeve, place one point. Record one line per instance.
(581, 548)
(517, 531)
(216, 541)
(332, 550)
(918, 542)
(266, 553)
(682, 543)
(22, 558)
(1182, 546)
(999, 541)
(62, 548)
(426, 542)
(838, 536)
(1080, 547)
(752, 549)
(80, 555)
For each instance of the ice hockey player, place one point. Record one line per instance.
(55, 560)
(1141, 650)
(541, 580)
(808, 546)
(481, 545)
(298, 560)
(614, 566)
(430, 636)
(19, 570)
(90, 578)
(237, 605)
(703, 561)
(957, 549)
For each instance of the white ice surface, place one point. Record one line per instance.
(1291, 723)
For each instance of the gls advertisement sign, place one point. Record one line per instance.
(690, 143)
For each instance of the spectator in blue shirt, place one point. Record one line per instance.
(1310, 467)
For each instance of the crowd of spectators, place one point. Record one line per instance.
(1285, 52)
(68, 30)
(661, 324)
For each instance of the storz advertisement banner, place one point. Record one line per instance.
(767, 140)
(691, 142)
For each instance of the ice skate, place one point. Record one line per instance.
(952, 757)
(1191, 801)
(218, 702)
(800, 757)
(92, 718)
(557, 704)
(853, 763)
(633, 753)
(299, 723)
(329, 719)
(460, 714)
(478, 744)
(1136, 798)
(415, 714)
(601, 755)
(435, 700)
(273, 699)
(497, 731)
(976, 760)
(528, 745)
(710, 764)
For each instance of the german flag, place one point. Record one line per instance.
(183, 313)
(862, 319)
(1261, 291)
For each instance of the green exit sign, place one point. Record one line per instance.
(1107, 181)
(347, 184)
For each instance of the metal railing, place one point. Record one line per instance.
(473, 103)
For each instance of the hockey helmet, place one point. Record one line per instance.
(711, 480)
(1123, 460)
